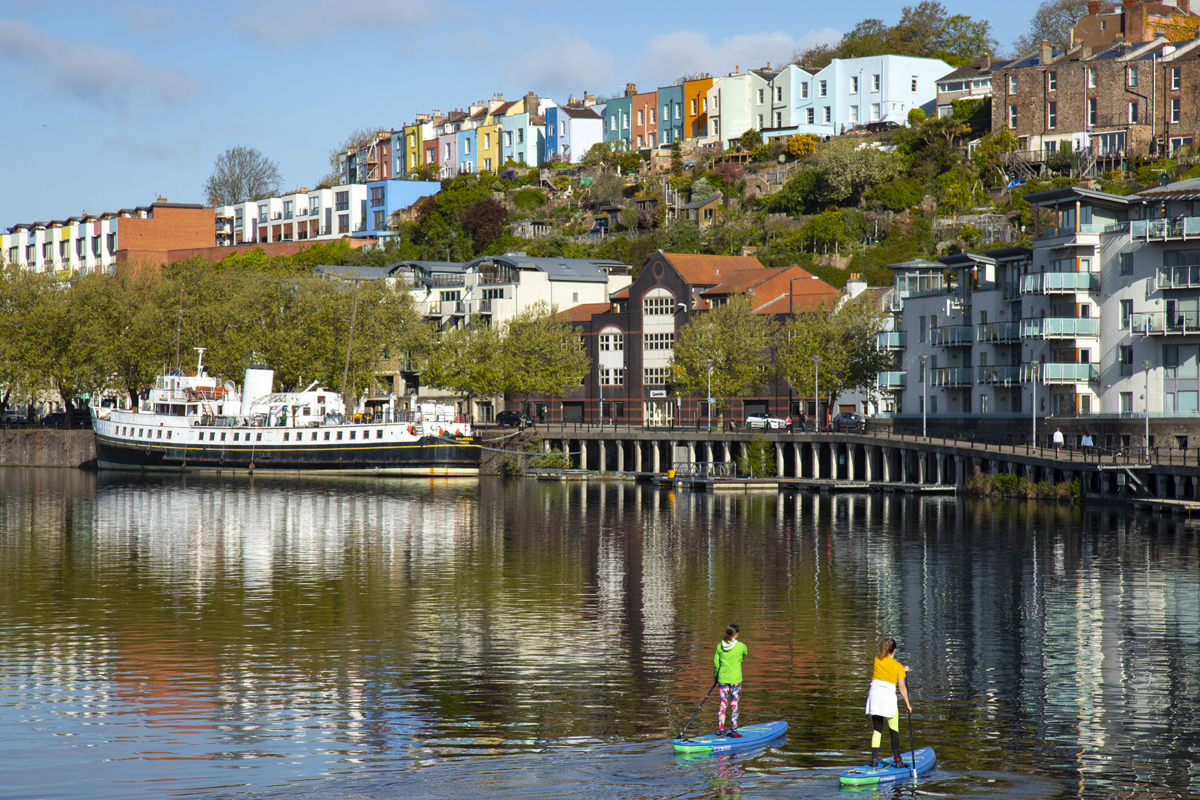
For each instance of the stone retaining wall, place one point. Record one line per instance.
(46, 447)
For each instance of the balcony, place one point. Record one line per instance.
(1060, 283)
(1011, 290)
(998, 333)
(446, 280)
(485, 306)
(998, 376)
(952, 336)
(891, 380)
(1159, 323)
(950, 377)
(1165, 229)
(1060, 328)
(1062, 373)
(1178, 277)
(891, 340)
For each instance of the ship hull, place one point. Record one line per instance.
(428, 455)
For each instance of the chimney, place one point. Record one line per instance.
(985, 63)
(1047, 53)
(1093, 7)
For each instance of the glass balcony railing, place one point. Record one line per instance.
(1060, 282)
(1179, 277)
(952, 336)
(891, 380)
(998, 375)
(950, 377)
(1061, 373)
(998, 332)
(891, 340)
(1177, 228)
(1162, 323)
(1060, 328)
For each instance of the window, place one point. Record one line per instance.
(1051, 81)
(342, 201)
(612, 377)
(693, 106)
(612, 122)
(778, 94)
(809, 116)
(658, 341)
(875, 83)
(1126, 313)
(376, 195)
(1052, 115)
(520, 136)
(1125, 359)
(1175, 107)
(1179, 141)
(853, 84)
(1091, 78)
(716, 127)
(1092, 111)
(466, 147)
(759, 124)
(1132, 77)
(1126, 263)
(914, 83)
(778, 119)
(111, 242)
(760, 97)
(804, 90)
(379, 220)
(641, 117)
(874, 112)
(827, 116)
(508, 137)
(655, 376)
(1133, 112)
(611, 342)
(343, 223)
(487, 141)
(666, 114)
(822, 87)
(1012, 84)
(854, 113)
(658, 306)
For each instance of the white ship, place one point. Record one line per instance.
(193, 422)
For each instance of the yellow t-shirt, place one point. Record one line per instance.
(888, 669)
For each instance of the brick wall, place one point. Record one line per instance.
(170, 256)
(169, 229)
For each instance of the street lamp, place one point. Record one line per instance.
(710, 397)
(924, 400)
(817, 391)
(600, 381)
(1033, 371)
(1146, 368)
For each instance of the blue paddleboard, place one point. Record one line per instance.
(751, 736)
(868, 775)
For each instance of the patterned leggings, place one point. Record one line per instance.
(730, 694)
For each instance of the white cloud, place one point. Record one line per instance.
(669, 55)
(87, 71)
(563, 63)
(304, 21)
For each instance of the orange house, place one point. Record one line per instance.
(695, 107)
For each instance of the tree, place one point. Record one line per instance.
(142, 307)
(676, 158)
(845, 336)
(846, 170)
(802, 145)
(464, 362)
(751, 139)
(871, 37)
(241, 174)
(735, 341)
(21, 346)
(608, 188)
(485, 220)
(1051, 23)
(70, 355)
(541, 353)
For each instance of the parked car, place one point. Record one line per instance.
(879, 126)
(850, 421)
(512, 419)
(12, 418)
(83, 419)
(764, 421)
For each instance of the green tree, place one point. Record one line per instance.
(608, 188)
(1051, 23)
(845, 336)
(832, 229)
(679, 236)
(751, 139)
(70, 357)
(142, 309)
(464, 362)
(845, 171)
(541, 353)
(733, 340)
(21, 346)
(676, 158)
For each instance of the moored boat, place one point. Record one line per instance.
(192, 421)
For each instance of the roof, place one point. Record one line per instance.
(580, 270)
(621, 294)
(708, 201)
(972, 71)
(584, 311)
(368, 273)
(1187, 189)
(578, 113)
(918, 263)
(704, 270)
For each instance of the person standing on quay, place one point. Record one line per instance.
(727, 663)
(887, 677)
(1058, 441)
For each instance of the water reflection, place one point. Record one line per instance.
(276, 633)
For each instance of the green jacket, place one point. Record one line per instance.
(727, 662)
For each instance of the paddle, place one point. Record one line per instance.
(697, 711)
(911, 750)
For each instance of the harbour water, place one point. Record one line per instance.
(235, 637)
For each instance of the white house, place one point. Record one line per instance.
(320, 214)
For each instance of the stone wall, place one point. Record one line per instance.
(46, 447)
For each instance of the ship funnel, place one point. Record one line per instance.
(259, 383)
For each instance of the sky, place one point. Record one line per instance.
(111, 105)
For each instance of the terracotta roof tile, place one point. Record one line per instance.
(584, 311)
(702, 270)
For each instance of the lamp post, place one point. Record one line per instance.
(600, 383)
(1033, 372)
(1146, 368)
(817, 390)
(710, 398)
(924, 400)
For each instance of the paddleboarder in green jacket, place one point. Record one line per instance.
(727, 664)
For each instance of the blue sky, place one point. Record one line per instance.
(110, 105)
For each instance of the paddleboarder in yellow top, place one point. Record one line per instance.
(727, 663)
(881, 700)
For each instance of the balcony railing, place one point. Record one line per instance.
(891, 340)
(446, 280)
(1011, 290)
(1160, 323)
(1061, 373)
(1060, 282)
(998, 333)
(1060, 328)
(1177, 228)
(950, 377)
(998, 375)
(891, 380)
(952, 336)
(1179, 277)
(485, 306)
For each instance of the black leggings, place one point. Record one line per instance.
(879, 723)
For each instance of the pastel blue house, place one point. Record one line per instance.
(571, 131)
(523, 139)
(384, 198)
(851, 92)
(670, 114)
(616, 120)
(468, 150)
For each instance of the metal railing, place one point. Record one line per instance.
(1062, 373)
(950, 377)
(1060, 328)
(1178, 277)
(998, 332)
(891, 340)
(1160, 323)
(1060, 282)
(891, 380)
(998, 375)
(952, 336)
